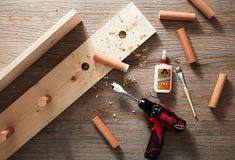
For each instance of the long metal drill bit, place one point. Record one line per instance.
(118, 88)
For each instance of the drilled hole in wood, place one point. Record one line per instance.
(122, 34)
(73, 78)
(85, 66)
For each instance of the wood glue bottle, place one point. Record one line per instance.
(163, 75)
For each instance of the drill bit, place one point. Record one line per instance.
(118, 88)
(181, 77)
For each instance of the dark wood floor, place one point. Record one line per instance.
(72, 136)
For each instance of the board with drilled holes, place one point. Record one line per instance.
(71, 78)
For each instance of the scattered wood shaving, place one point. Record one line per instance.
(109, 102)
(145, 49)
(111, 33)
(133, 111)
(140, 65)
(115, 116)
(142, 36)
(106, 77)
(142, 58)
(128, 80)
(96, 96)
(130, 48)
(106, 83)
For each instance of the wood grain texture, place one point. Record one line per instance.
(38, 48)
(71, 78)
(73, 136)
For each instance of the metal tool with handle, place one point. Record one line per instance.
(160, 118)
(181, 77)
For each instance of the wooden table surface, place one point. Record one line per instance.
(72, 136)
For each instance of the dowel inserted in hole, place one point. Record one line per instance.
(110, 61)
(105, 132)
(190, 55)
(204, 8)
(217, 90)
(180, 16)
(6, 133)
(43, 101)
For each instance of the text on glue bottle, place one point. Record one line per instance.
(163, 75)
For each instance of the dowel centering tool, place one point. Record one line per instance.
(160, 118)
(181, 77)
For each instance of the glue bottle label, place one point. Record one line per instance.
(163, 75)
(164, 79)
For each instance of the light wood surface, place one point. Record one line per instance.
(38, 48)
(69, 79)
(72, 135)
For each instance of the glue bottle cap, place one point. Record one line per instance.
(164, 58)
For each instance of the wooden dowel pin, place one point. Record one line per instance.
(217, 90)
(43, 101)
(180, 16)
(204, 8)
(110, 61)
(105, 132)
(190, 55)
(6, 133)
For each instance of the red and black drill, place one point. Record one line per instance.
(160, 118)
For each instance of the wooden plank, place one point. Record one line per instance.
(68, 81)
(71, 136)
(38, 48)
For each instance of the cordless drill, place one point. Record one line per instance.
(160, 118)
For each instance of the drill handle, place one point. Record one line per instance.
(170, 120)
(156, 140)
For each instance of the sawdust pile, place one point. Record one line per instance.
(129, 80)
(140, 54)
